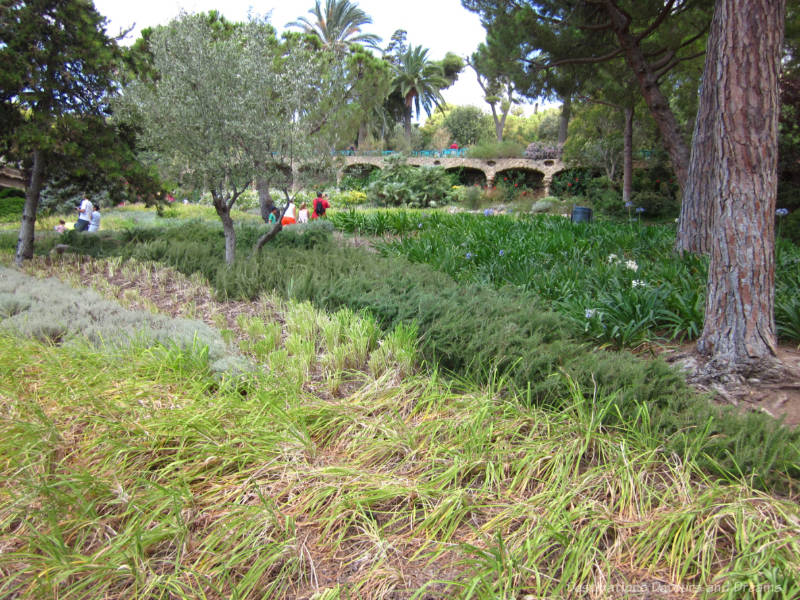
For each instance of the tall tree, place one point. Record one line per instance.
(419, 82)
(653, 36)
(337, 25)
(56, 68)
(496, 83)
(741, 98)
(273, 119)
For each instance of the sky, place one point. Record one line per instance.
(440, 25)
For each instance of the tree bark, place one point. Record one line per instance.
(362, 135)
(563, 120)
(27, 226)
(227, 226)
(656, 102)
(276, 229)
(694, 225)
(407, 123)
(627, 156)
(265, 201)
(739, 332)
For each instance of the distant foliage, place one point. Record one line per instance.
(490, 150)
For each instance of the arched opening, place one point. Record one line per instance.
(358, 176)
(468, 176)
(522, 178)
(314, 175)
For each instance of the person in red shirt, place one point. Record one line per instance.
(321, 205)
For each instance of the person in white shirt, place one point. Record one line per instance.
(94, 222)
(302, 217)
(85, 211)
(289, 217)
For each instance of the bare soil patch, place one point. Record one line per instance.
(779, 399)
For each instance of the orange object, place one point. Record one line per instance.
(288, 221)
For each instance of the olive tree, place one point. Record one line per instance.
(223, 107)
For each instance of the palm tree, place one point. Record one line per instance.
(419, 82)
(338, 25)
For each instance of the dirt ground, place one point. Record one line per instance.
(779, 399)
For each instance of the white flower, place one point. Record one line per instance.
(638, 283)
(590, 312)
(631, 264)
(612, 258)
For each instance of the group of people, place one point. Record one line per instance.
(88, 218)
(318, 207)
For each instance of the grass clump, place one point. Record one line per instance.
(149, 479)
(472, 330)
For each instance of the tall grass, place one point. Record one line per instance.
(133, 473)
(626, 277)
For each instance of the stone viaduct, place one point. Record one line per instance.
(490, 167)
(12, 178)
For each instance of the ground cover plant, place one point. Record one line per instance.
(152, 478)
(503, 336)
(620, 283)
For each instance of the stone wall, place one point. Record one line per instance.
(489, 166)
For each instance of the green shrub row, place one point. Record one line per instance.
(475, 331)
(11, 204)
(621, 283)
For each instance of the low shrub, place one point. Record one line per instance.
(400, 184)
(49, 310)
(348, 198)
(11, 205)
(656, 204)
(571, 182)
(789, 227)
(542, 151)
(496, 150)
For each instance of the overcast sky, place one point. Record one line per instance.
(441, 25)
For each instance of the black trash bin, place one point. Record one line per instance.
(581, 214)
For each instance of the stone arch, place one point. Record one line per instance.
(359, 169)
(469, 175)
(524, 176)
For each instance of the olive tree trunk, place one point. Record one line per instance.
(265, 202)
(223, 209)
(739, 332)
(27, 226)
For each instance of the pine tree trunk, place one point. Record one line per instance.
(28, 224)
(656, 102)
(694, 225)
(739, 332)
(563, 120)
(627, 156)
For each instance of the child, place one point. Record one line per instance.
(273, 216)
(302, 216)
(61, 227)
(94, 222)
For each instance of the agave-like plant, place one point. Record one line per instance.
(338, 25)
